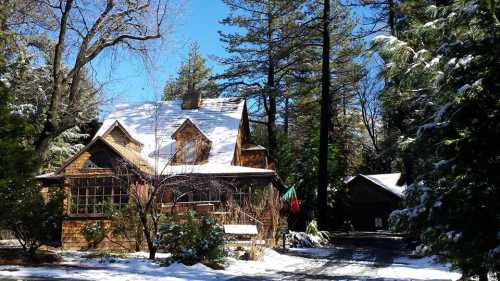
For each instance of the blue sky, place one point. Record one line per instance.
(129, 81)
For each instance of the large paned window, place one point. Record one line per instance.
(89, 195)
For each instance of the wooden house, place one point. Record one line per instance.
(202, 140)
(371, 199)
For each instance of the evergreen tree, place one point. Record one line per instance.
(31, 89)
(269, 34)
(192, 76)
(444, 86)
(23, 210)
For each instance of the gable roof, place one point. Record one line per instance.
(129, 155)
(385, 181)
(153, 123)
(118, 124)
(188, 122)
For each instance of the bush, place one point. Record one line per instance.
(312, 228)
(32, 220)
(94, 233)
(304, 240)
(124, 223)
(194, 239)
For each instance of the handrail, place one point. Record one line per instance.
(252, 218)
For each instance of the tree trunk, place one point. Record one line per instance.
(271, 128)
(285, 121)
(147, 234)
(391, 17)
(325, 121)
(152, 252)
(50, 127)
(271, 91)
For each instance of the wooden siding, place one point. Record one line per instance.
(117, 144)
(72, 239)
(254, 158)
(189, 132)
(119, 137)
(367, 201)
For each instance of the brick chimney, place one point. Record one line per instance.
(191, 100)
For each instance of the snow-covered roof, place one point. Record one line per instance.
(219, 119)
(50, 175)
(214, 169)
(386, 181)
(154, 123)
(254, 147)
(246, 229)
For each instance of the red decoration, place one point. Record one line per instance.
(294, 205)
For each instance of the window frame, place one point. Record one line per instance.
(214, 196)
(189, 146)
(96, 194)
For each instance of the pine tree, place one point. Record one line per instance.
(269, 34)
(444, 73)
(192, 76)
(31, 90)
(23, 210)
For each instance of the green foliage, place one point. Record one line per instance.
(312, 228)
(194, 239)
(94, 233)
(192, 76)
(444, 86)
(24, 211)
(303, 174)
(125, 223)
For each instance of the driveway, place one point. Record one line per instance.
(356, 256)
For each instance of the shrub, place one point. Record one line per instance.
(31, 219)
(124, 223)
(94, 233)
(312, 228)
(194, 239)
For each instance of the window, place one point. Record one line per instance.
(98, 159)
(241, 196)
(89, 195)
(202, 195)
(188, 151)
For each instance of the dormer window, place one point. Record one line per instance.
(188, 152)
(192, 145)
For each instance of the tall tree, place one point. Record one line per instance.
(444, 89)
(31, 91)
(23, 210)
(259, 54)
(193, 76)
(325, 118)
(84, 30)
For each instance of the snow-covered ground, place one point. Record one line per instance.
(273, 266)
